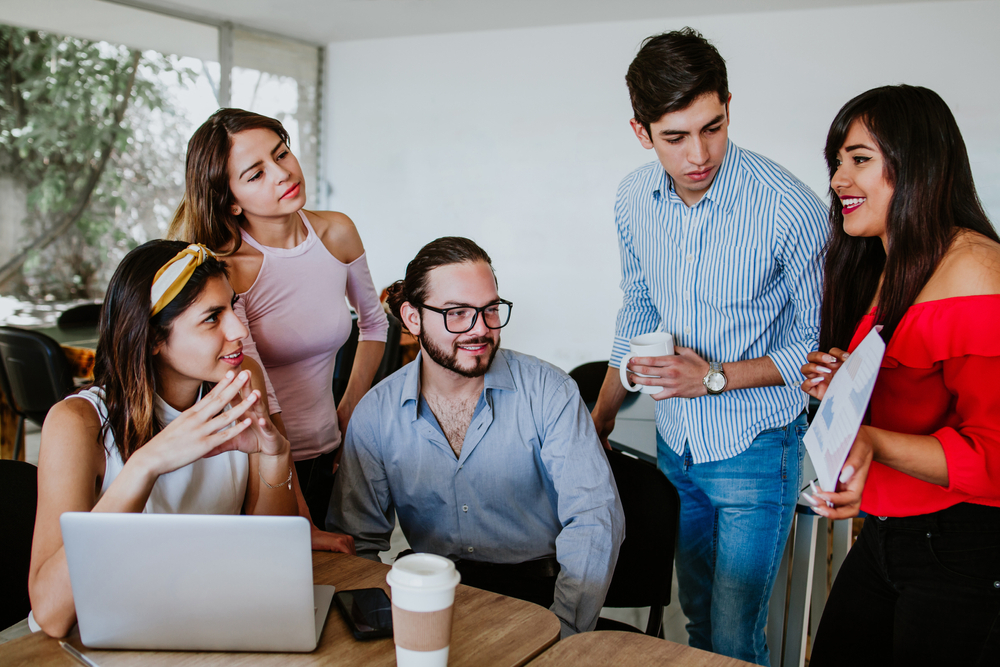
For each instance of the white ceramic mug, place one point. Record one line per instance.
(657, 344)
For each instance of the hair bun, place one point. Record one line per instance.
(396, 297)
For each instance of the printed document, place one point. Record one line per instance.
(842, 410)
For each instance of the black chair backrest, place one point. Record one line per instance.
(37, 371)
(18, 497)
(589, 378)
(84, 315)
(345, 357)
(646, 561)
(393, 353)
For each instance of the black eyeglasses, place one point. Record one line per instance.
(460, 319)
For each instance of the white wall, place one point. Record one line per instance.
(518, 138)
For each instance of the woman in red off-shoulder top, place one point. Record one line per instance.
(912, 250)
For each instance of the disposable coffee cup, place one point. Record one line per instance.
(658, 344)
(423, 599)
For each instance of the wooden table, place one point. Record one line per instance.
(488, 629)
(628, 648)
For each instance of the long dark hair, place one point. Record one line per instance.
(205, 215)
(128, 335)
(933, 198)
(439, 252)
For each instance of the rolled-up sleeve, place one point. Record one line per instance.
(589, 510)
(361, 505)
(972, 448)
(803, 221)
(638, 314)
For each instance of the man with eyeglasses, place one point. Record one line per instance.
(486, 455)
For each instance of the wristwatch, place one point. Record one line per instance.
(715, 382)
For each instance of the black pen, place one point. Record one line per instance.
(81, 658)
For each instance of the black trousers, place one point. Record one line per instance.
(533, 580)
(316, 479)
(921, 590)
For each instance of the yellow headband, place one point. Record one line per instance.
(173, 276)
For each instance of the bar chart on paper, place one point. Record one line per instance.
(839, 417)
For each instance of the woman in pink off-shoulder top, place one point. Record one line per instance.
(291, 269)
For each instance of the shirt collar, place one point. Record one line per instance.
(724, 187)
(498, 377)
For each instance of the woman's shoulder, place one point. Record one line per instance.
(71, 421)
(970, 267)
(338, 234)
(244, 267)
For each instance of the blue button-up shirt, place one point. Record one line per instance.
(531, 480)
(736, 276)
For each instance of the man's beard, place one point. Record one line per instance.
(450, 361)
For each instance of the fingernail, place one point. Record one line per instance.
(846, 473)
(846, 355)
(816, 380)
(809, 499)
(824, 369)
(230, 375)
(813, 487)
(830, 359)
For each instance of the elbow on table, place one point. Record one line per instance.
(51, 621)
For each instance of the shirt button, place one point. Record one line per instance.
(690, 258)
(465, 508)
(882, 518)
(459, 467)
(470, 550)
(687, 330)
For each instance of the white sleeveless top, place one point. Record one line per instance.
(215, 485)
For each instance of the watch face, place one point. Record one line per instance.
(715, 381)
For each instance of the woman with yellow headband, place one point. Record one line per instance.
(175, 421)
(244, 198)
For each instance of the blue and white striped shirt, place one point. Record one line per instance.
(736, 276)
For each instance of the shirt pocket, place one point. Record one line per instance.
(736, 275)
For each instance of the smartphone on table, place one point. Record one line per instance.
(367, 611)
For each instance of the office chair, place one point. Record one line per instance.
(646, 560)
(345, 357)
(18, 492)
(35, 376)
(86, 315)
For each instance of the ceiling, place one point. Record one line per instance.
(324, 21)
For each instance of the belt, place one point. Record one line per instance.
(539, 567)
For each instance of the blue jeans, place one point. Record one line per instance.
(735, 518)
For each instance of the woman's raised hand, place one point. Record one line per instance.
(202, 430)
(261, 437)
(845, 502)
(820, 370)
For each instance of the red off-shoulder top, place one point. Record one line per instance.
(940, 376)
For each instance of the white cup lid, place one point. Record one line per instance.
(424, 571)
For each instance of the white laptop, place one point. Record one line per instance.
(194, 582)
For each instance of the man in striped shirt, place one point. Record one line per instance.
(721, 248)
